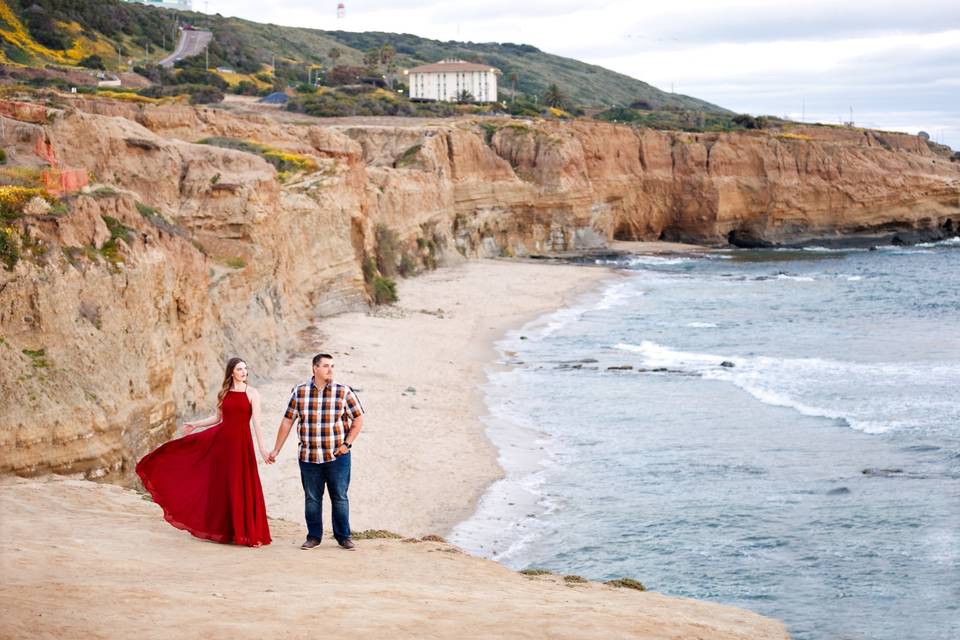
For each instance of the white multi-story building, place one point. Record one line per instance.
(181, 5)
(448, 79)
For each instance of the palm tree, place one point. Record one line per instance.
(513, 77)
(333, 54)
(465, 96)
(554, 97)
(387, 53)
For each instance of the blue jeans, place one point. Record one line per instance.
(336, 476)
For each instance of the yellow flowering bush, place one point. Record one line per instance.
(284, 161)
(13, 199)
(793, 136)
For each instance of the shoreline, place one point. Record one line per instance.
(419, 368)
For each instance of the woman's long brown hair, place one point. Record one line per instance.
(227, 380)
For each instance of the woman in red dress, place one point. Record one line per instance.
(207, 482)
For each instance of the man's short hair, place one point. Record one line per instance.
(320, 356)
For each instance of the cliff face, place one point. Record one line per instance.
(123, 309)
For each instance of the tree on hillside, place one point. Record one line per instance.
(513, 77)
(344, 74)
(387, 54)
(371, 60)
(334, 54)
(465, 96)
(388, 57)
(554, 97)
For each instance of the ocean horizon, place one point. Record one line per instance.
(772, 429)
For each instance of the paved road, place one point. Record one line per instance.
(191, 43)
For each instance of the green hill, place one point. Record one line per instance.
(38, 32)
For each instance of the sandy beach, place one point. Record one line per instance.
(81, 559)
(422, 460)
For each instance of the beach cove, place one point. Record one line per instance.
(107, 565)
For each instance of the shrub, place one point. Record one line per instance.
(3, 157)
(627, 583)
(408, 156)
(118, 231)
(388, 250)
(408, 266)
(9, 248)
(375, 534)
(536, 572)
(14, 198)
(574, 579)
(432, 537)
(793, 136)
(488, 132)
(283, 161)
(200, 76)
(38, 356)
(93, 62)
(207, 95)
(344, 74)
(384, 290)
(749, 122)
(369, 268)
(246, 88)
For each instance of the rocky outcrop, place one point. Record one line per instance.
(123, 308)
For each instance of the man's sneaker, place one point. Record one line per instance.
(310, 543)
(347, 544)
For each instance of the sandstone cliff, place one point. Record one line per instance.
(119, 315)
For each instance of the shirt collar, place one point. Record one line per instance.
(313, 382)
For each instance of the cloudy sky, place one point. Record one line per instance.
(894, 63)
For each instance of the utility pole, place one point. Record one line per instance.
(119, 62)
(273, 64)
(206, 53)
(803, 111)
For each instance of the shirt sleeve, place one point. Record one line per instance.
(351, 406)
(293, 407)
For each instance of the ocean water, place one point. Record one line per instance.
(786, 439)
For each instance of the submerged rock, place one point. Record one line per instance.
(882, 473)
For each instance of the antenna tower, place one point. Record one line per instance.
(341, 10)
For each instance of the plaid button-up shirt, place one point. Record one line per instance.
(324, 418)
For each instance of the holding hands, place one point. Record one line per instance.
(268, 456)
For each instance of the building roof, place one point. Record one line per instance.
(454, 66)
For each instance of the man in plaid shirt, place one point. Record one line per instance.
(330, 418)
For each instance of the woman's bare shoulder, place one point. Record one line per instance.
(252, 392)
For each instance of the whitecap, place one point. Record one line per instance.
(783, 276)
(816, 387)
(702, 325)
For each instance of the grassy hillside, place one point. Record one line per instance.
(38, 32)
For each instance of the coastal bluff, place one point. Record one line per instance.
(108, 566)
(195, 239)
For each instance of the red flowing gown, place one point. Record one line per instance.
(207, 482)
